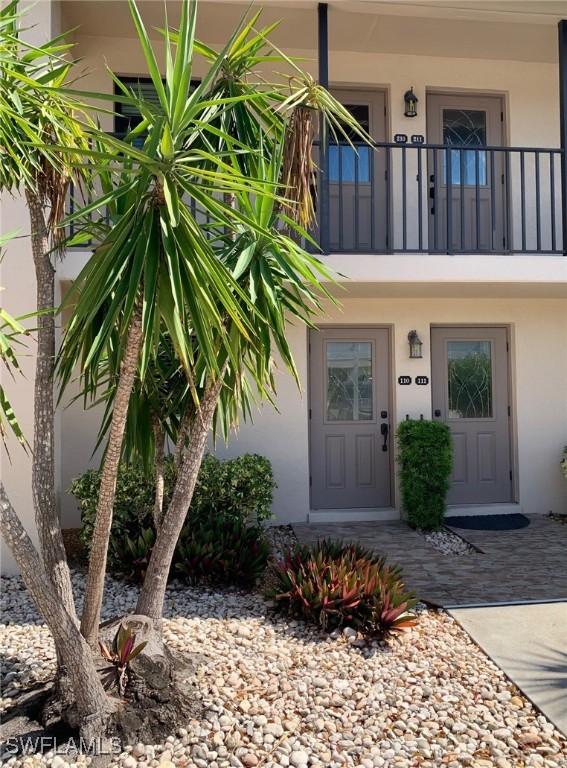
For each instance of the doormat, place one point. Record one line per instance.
(489, 522)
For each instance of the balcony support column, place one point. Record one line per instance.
(323, 61)
(563, 122)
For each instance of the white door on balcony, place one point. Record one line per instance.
(357, 178)
(471, 177)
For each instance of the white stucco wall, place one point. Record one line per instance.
(539, 373)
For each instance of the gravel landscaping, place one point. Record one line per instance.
(449, 543)
(279, 693)
(282, 538)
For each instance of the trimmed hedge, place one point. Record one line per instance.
(426, 460)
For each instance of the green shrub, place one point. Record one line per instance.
(133, 508)
(334, 584)
(222, 551)
(426, 459)
(239, 489)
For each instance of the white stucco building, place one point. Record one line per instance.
(453, 227)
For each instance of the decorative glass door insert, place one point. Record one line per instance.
(464, 128)
(349, 381)
(469, 372)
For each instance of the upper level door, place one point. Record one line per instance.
(470, 391)
(357, 178)
(349, 388)
(468, 176)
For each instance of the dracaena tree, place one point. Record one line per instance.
(201, 226)
(258, 133)
(91, 706)
(35, 115)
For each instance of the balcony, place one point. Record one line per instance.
(439, 199)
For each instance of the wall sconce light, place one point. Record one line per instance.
(410, 100)
(415, 345)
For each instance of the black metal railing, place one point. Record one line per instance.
(432, 198)
(435, 198)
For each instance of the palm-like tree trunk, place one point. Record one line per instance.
(150, 601)
(92, 704)
(43, 462)
(159, 438)
(101, 534)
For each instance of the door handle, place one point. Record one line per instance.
(384, 430)
(432, 192)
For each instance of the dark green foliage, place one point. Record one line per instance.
(237, 491)
(133, 508)
(334, 584)
(240, 488)
(222, 551)
(134, 556)
(426, 460)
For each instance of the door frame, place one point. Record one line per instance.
(389, 328)
(507, 208)
(511, 388)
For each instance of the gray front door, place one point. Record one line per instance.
(470, 391)
(474, 184)
(357, 178)
(349, 418)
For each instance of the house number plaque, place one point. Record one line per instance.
(422, 380)
(404, 380)
(400, 138)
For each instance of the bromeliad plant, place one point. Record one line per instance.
(119, 656)
(334, 585)
(222, 551)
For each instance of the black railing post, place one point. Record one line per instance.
(449, 196)
(563, 122)
(323, 53)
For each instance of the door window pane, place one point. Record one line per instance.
(470, 379)
(465, 128)
(349, 381)
(347, 164)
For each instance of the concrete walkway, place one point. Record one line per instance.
(525, 565)
(529, 643)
